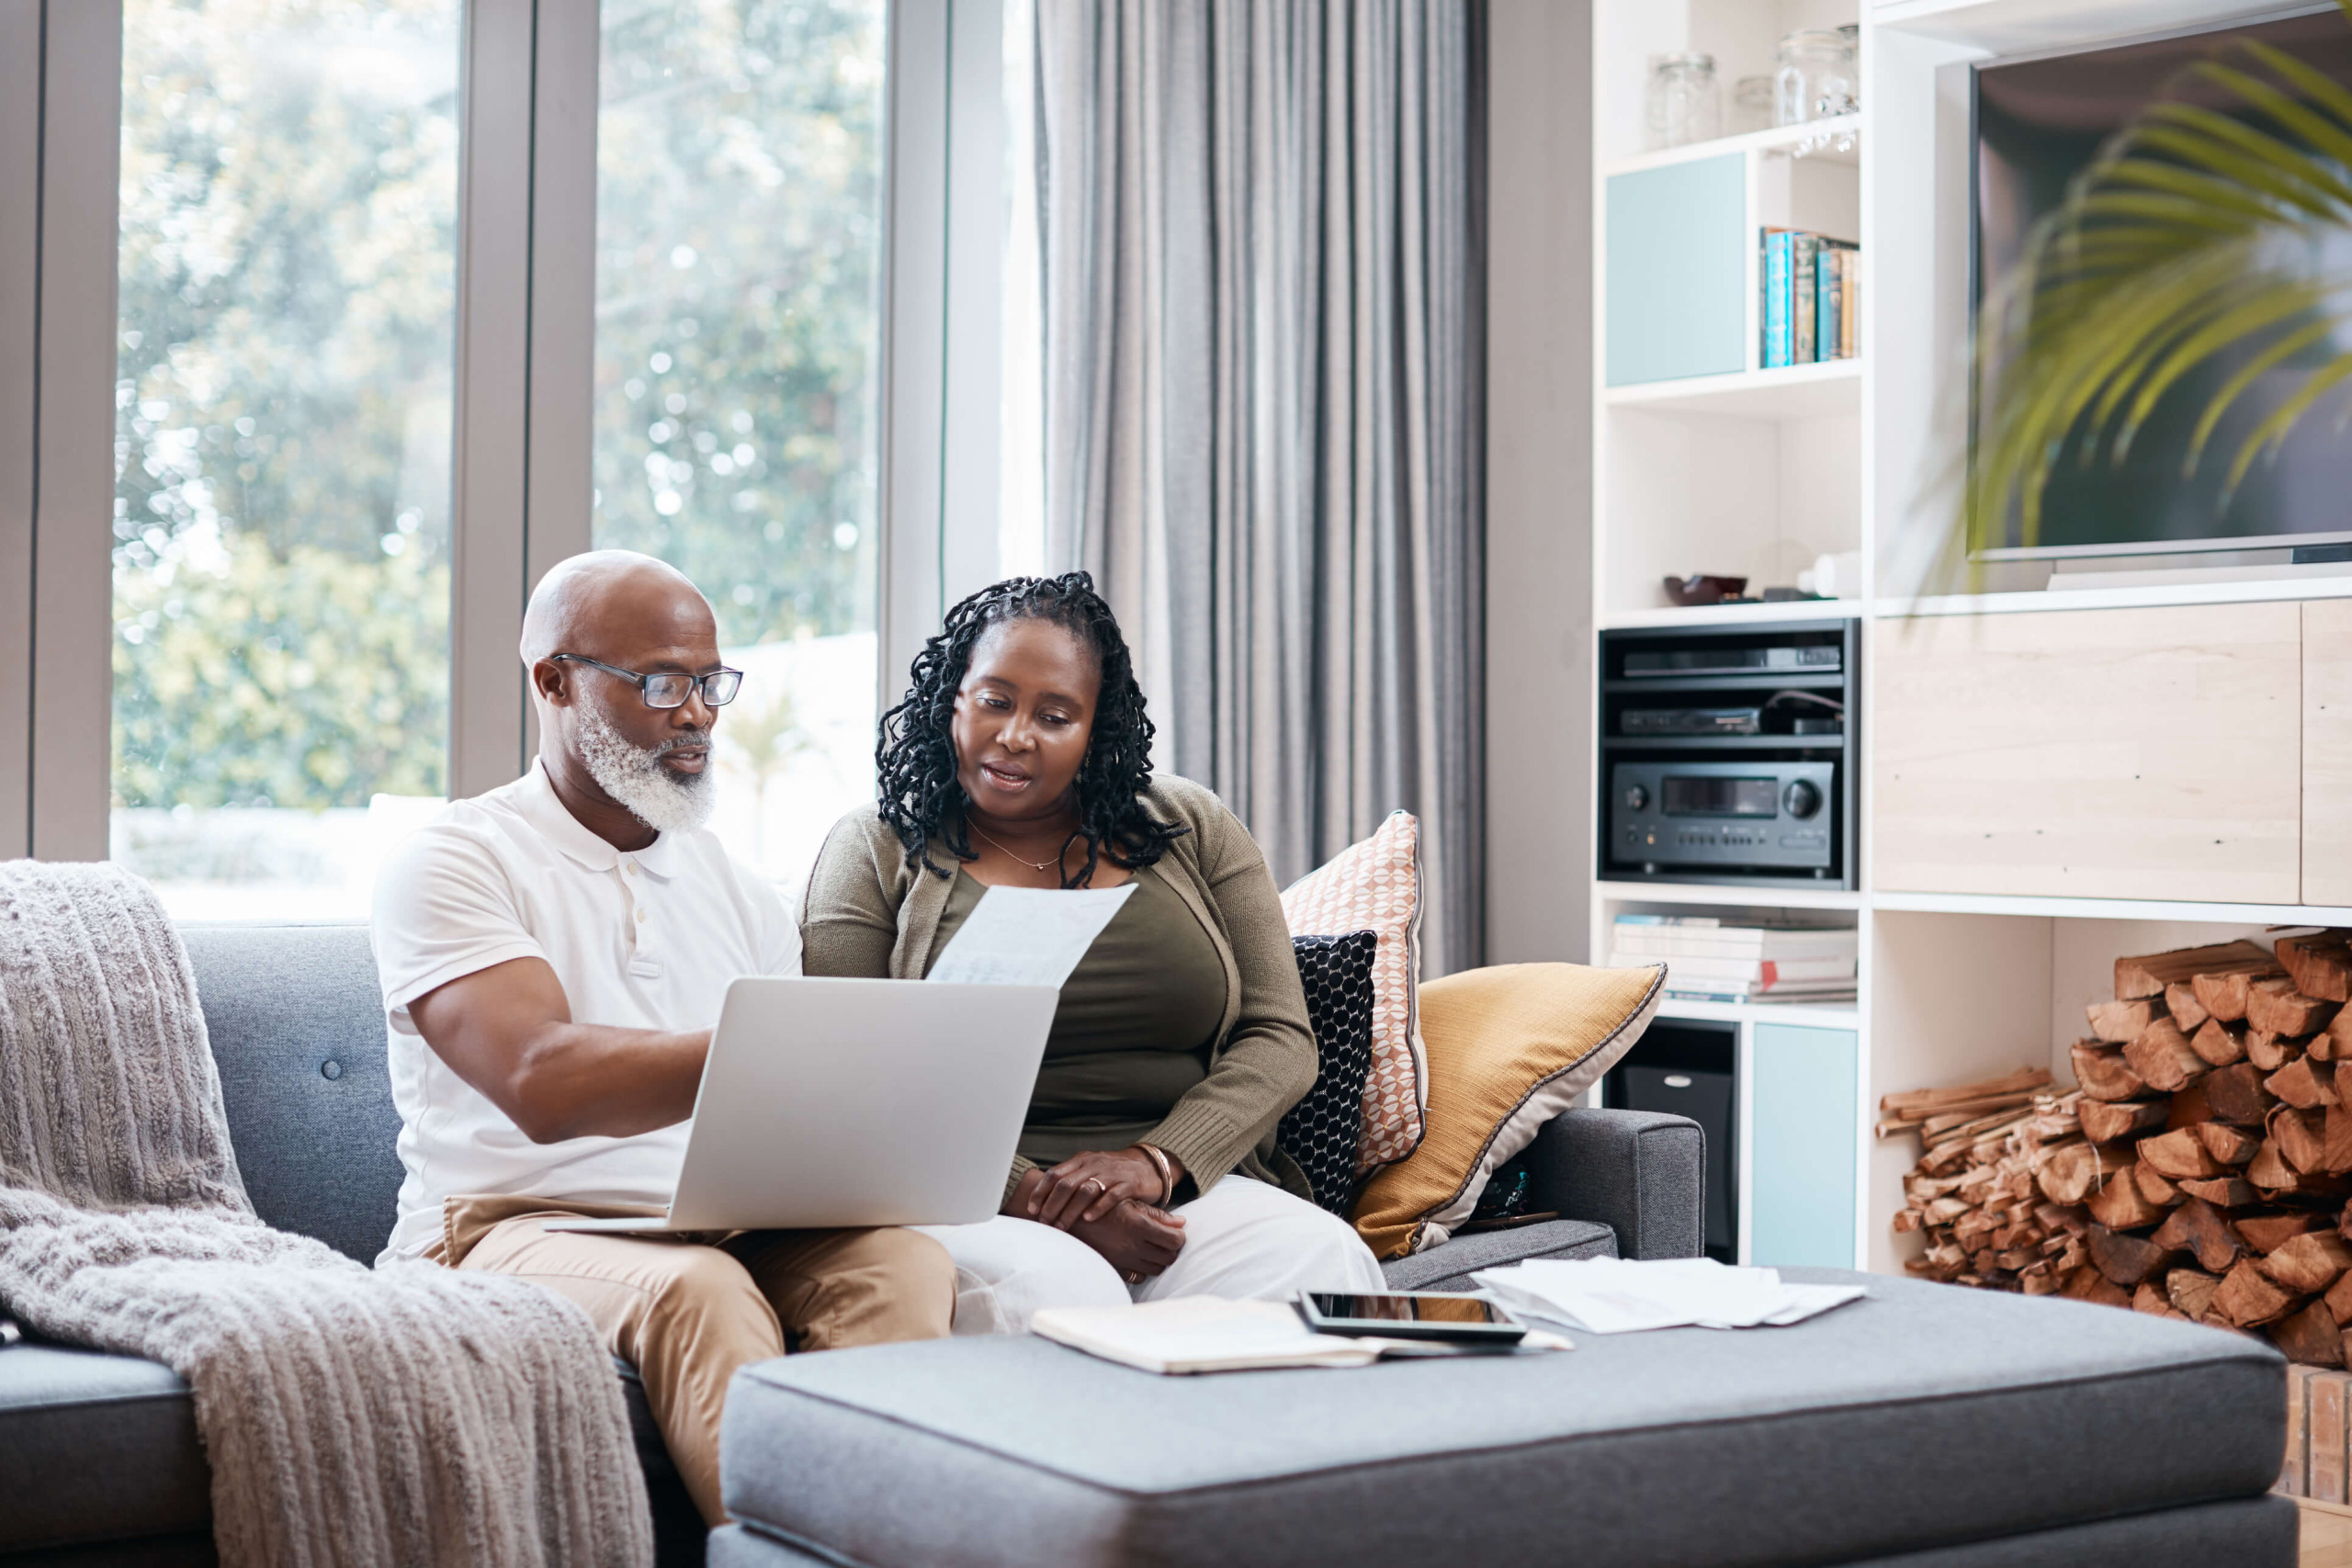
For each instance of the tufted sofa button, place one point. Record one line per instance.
(331, 1068)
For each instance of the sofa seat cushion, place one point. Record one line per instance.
(95, 1448)
(1923, 1417)
(1448, 1268)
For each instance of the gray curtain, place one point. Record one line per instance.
(1263, 370)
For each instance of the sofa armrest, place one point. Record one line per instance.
(1639, 1172)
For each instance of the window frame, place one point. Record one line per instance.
(525, 358)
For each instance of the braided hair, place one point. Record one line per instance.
(920, 796)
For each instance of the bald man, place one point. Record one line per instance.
(553, 955)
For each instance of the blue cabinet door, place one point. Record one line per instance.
(1804, 1108)
(1678, 271)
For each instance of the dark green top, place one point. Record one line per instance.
(1133, 1032)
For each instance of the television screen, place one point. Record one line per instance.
(2039, 123)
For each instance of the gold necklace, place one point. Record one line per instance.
(1032, 864)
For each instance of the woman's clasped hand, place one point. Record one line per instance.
(1135, 1236)
(1092, 1182)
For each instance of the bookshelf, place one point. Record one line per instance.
(1704, 461)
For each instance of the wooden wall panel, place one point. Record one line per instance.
(2097, 755)
(2327, 752)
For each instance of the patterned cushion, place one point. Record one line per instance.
(1375, 885)
(1322, 1131)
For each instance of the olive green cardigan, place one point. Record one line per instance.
(871, 911)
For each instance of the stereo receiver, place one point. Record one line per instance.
(1752, 816)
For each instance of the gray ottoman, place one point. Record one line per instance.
(1929, 1426)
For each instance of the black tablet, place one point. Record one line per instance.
(1423, 1315)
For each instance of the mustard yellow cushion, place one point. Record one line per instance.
(1509, 1048)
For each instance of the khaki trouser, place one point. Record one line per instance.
(687, 1310)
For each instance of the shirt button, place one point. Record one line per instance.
(629, 868)
(641, 916)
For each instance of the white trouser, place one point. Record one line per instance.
(1244, 1239)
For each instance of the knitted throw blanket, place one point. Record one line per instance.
(413, 1415)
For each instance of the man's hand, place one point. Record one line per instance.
(507, 1031)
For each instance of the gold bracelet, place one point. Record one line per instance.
(1167, 1173)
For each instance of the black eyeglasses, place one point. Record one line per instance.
(667, 689)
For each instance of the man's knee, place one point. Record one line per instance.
(701, 1282)
(904, 1254)
(873, 1287)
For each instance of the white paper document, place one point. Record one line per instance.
(1613, 1295)
(1027, 936)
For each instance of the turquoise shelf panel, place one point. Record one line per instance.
(1678, 271)
(1803, 1105)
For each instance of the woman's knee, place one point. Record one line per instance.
(1258, 1240)
(1009, 1269)
(1328, 1245)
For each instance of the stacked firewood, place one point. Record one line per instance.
(2200, 1169)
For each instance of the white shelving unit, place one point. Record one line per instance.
(1741, 471)
(1746, 471)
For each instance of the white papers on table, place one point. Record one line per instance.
(1027, 936)
(1209, 1334)
(1613, 1295)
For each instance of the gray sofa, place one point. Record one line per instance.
(99, 1462)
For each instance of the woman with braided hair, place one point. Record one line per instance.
(1021, 757)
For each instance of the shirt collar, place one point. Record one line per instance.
(546, 811)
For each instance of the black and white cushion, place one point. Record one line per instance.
(1321, 1131)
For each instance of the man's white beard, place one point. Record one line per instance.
(633, 776)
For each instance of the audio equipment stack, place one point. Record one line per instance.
(1728, 754)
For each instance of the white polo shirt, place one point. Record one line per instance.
(648, 939)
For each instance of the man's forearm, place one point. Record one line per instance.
(575, 1080)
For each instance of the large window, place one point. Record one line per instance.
(739, 260)
(404, 301)
(283, 440)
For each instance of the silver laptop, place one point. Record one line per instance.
(829, 1103)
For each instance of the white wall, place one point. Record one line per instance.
(1539, 462)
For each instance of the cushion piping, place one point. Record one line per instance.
(802, 1543)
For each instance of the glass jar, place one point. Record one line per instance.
(1751, 105)
(1684, 104)
(1813, 63)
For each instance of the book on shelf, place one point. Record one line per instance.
(1762, 972)
(1804, 254)
(1817, 992)
(1646, 937)
(1808, 312)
